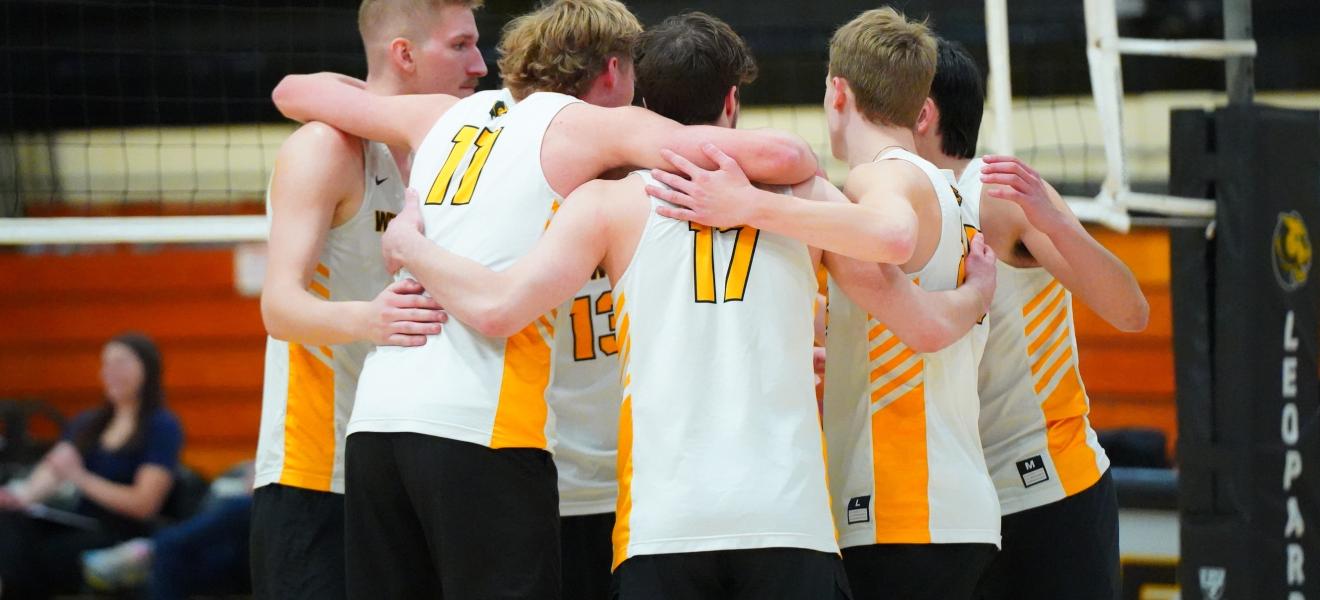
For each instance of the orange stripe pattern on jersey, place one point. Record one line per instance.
(521, 415)
(1054, 375)
(623, 459)
(309, 422)
(898, 441)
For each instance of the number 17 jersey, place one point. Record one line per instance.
(720, 446)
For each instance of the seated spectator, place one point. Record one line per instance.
(120, 457)
(206, 554)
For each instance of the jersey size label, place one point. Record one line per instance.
(1032, 471)
(859, 510)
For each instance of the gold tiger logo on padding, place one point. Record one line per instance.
(1292, 251)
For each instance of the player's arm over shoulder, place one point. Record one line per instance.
(585, 141)
(872, 231)
(502, 303)
(343, 102)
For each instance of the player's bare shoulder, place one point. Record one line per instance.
(319, 164)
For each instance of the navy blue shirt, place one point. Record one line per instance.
(160, 446)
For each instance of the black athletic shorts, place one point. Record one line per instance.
(297, 543)
(916, 571)
(430, 517)
(763, 574)
(1065, 549)
(585, 543)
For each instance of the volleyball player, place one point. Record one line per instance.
(450, 485)
(914, 504)
(1060, 523)
(323, 305)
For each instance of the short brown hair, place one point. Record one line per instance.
(563, 45)
(889, 63)
(687, 63)
(400, 18)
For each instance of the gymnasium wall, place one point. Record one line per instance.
(59, 308)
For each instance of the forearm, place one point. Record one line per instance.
(1104, 283)
(852, 230)
(293, 314)
(484, 299)
(766, 156)
(924, 321)
(126, 500)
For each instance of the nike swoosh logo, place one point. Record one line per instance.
(380, 180)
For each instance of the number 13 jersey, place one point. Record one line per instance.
(485, 197)
(720, 446)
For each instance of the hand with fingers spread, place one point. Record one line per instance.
(720, 198)
(405, 228)
(402, 315)
(1015, 181)
(981, 270)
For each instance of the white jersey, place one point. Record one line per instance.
(584, 395)
(904, 453)
(484, 197)
(308, 393)
(1038, 441)
(970, 211)
(719, 440)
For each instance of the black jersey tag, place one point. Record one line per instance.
(859, 510)
(1032, 471)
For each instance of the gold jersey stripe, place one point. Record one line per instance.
(309, 422)
(521, 413)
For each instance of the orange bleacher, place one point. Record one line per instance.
(59, 309)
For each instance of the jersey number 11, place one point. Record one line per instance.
(463, 141)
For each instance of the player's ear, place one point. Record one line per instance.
(609, 77)
(928, 118)
(841, 93)
(731, 106)
(401, 55)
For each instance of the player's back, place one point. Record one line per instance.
(485, 197)
(719, 443)
(1039, 444)
(905, 456)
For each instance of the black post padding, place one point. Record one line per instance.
(1249, 440)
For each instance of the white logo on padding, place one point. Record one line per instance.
(1212, 582)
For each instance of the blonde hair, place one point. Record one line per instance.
(564, 45)
(384, 20)
(889, 63)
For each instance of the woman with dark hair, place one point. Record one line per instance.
(120, 456)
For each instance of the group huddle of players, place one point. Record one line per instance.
(575, 354)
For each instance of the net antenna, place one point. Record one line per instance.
(1104, 52)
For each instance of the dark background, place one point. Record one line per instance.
(108, 63)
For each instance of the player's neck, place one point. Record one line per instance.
(385, 85)
(868, 140)
(952, 163)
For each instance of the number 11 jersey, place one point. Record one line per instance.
(484, 197)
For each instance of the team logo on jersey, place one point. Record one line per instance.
(383, 220)
(859, 510)
(1292, 251)
(498, 110)
(1032, 471)
(1212, 582)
